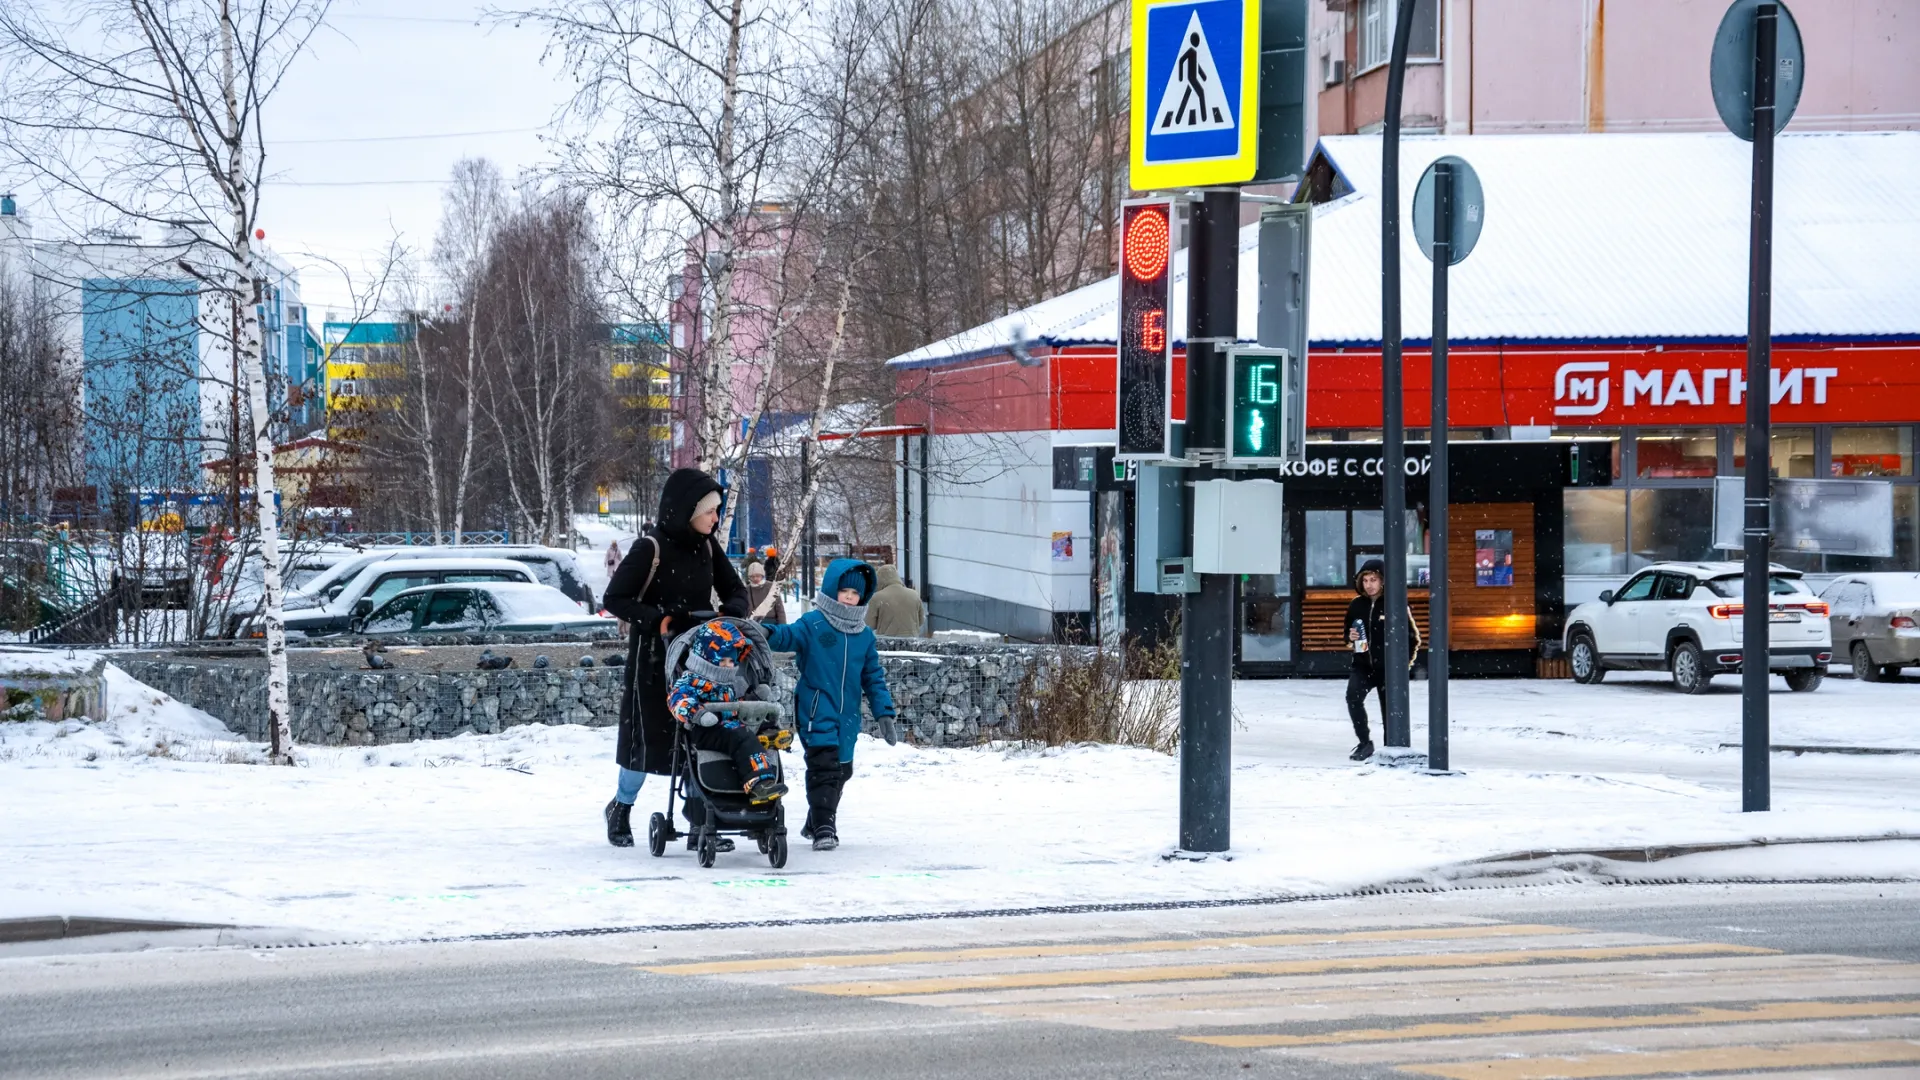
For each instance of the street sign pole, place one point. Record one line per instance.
(1756, 71)
(1438, 615)
(1755, 733)
(1396, 725)
(1206, 617)
(1449, 209)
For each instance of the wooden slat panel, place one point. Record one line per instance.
(1323, 614)
(1491, 617)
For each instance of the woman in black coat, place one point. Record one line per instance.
(677, 567)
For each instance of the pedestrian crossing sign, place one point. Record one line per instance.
(1196, 92)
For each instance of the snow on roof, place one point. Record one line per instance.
(1604, 237)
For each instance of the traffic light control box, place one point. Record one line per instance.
(1237, 527)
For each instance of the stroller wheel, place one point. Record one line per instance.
(777, 850)
(762, 838)
(709, 849)
(657, 835)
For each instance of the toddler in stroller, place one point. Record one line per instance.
(726, 763)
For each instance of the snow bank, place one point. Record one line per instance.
(503, 833)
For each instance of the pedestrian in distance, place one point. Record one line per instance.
(1367, 639)
(763, 596)
(896, 611)
(666, 585)
(838, 661)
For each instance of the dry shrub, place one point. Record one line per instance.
(1129, 696)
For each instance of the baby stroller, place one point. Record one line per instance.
(705, 782)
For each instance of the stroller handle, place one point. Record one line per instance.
(745, 710)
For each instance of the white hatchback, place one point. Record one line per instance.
(1686, 618)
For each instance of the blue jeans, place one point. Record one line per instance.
(630, 781)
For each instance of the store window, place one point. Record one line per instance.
(1675, 454)
(1326, 548)
(1906, 537)
(1792, 452)
(1872, 451)
(1669, 523)
(1596, 530)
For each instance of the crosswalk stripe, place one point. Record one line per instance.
(1654, 1063)
(1014, 952)
(1544, 1022)
(1171, 972)
(1250, 1002)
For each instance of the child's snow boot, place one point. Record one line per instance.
(825, 838)
(619, 817)
(774, 737)
(765, 789)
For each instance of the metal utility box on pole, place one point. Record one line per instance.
(1448, 210)
(1756, 72)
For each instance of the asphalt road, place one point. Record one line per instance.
(1056, 996)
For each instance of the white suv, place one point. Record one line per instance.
(1685, 617)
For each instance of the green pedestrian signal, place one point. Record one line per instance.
(1265, 411)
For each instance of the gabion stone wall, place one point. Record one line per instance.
(949, 695)
(359, 708)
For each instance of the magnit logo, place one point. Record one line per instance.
(1580, 389)
(1584, 388)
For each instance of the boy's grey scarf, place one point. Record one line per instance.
(846, 618)
(733, 677)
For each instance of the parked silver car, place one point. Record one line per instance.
(1876, 622)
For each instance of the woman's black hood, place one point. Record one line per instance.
(1375, 566)
(678, 497)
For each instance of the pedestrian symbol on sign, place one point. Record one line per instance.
(1195, 99)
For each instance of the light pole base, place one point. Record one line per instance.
(1183, 855)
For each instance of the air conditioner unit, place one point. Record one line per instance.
(1336, 72)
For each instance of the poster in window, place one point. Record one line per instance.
(1493, 557)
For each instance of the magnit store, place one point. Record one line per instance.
(1596, 389)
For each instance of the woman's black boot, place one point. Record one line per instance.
(619, 824)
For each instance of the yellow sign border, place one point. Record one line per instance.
(1237, 169)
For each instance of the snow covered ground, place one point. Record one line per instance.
(155, 812)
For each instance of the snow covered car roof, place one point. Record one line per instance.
(1706, 570)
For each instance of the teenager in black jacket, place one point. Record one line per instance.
(1367, 638)
(677, 567)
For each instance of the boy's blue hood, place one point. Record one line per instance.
(848, 574)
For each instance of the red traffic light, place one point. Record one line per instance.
(1145, 245)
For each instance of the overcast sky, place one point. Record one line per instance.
(362, 135)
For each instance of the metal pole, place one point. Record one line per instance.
(1396, 724)
(1755, 737)
(1438, 589)
(926, 505)
(1206, 617)
(806, 527)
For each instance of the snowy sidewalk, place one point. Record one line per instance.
(156, 813)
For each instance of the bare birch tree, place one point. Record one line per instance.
(151, 111)
(472, 210)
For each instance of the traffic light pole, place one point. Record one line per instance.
(1755, 733)
(1397, 726)
(1206, 617)
(1437, 494)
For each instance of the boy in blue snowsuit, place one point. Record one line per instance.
(838, 660)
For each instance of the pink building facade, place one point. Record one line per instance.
(1516, 66)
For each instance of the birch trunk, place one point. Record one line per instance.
(247, 341)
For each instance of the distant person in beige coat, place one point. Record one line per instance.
(896, 611)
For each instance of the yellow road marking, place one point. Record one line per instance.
(1184, 972)
(1530, 1023)
(1013, 952)
(1653, 1063)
